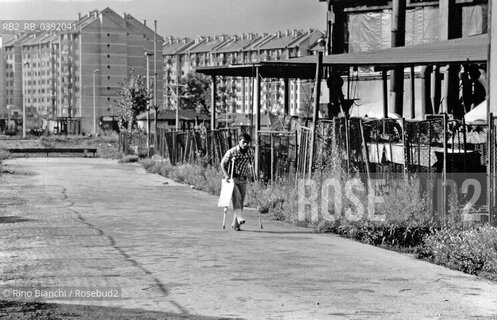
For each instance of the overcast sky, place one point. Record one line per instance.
(185, 17)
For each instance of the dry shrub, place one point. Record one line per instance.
(472, 251)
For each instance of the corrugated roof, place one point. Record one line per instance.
(473, 49)
(171, 115)
(460, 50)
(266, 70)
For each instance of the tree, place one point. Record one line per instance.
(133, 100)
(196, 93)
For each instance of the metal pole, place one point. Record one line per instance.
(444, 170)
(489, 168)
(155, 85)
(385, 93)
(148, 103)
(177, 106)
(413, 100)
(94, 104)
(315, 116)
(257, 120)
(24, 109)
(155, 65)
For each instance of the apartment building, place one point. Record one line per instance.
(11, 75)
(173, 72)
(237, 93)
(234, 51)
(56, 74)
(286, 45)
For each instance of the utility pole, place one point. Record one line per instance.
(156, 107)
(24, 103)
(94, 104)
(147, 55)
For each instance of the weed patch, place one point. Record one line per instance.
(129, 159)
(472, 251)
(200, 176)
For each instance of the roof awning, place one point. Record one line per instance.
(470, 49)
(266, 70)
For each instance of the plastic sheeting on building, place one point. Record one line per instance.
(371, 31)
(474, 20)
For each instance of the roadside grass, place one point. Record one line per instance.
(472, 251)
(129, 158)
(200, 176)
(403, 222)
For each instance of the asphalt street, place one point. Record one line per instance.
(94, 223)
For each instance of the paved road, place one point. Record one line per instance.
(93, 222)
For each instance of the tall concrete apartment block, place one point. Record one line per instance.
(53, 74)
(182, 56)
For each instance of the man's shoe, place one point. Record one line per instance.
(240, 221)
(236, 227)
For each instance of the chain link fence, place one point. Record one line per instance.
(437, 148)
(277, 154)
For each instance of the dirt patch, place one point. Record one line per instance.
(37, 310)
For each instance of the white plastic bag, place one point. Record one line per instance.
(226, 193)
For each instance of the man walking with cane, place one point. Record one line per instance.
(243, 157)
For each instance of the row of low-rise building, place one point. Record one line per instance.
(183, 56)
(55, 75)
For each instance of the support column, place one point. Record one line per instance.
(413, 92)
(336, 26)
(385, 93)
(492, 61)
(398, 40)
(491, 106)
(451, 27)
(286, 100)
(257, 120)
(315, 117)
(436, 83)
(213, 103)
(426, 106)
